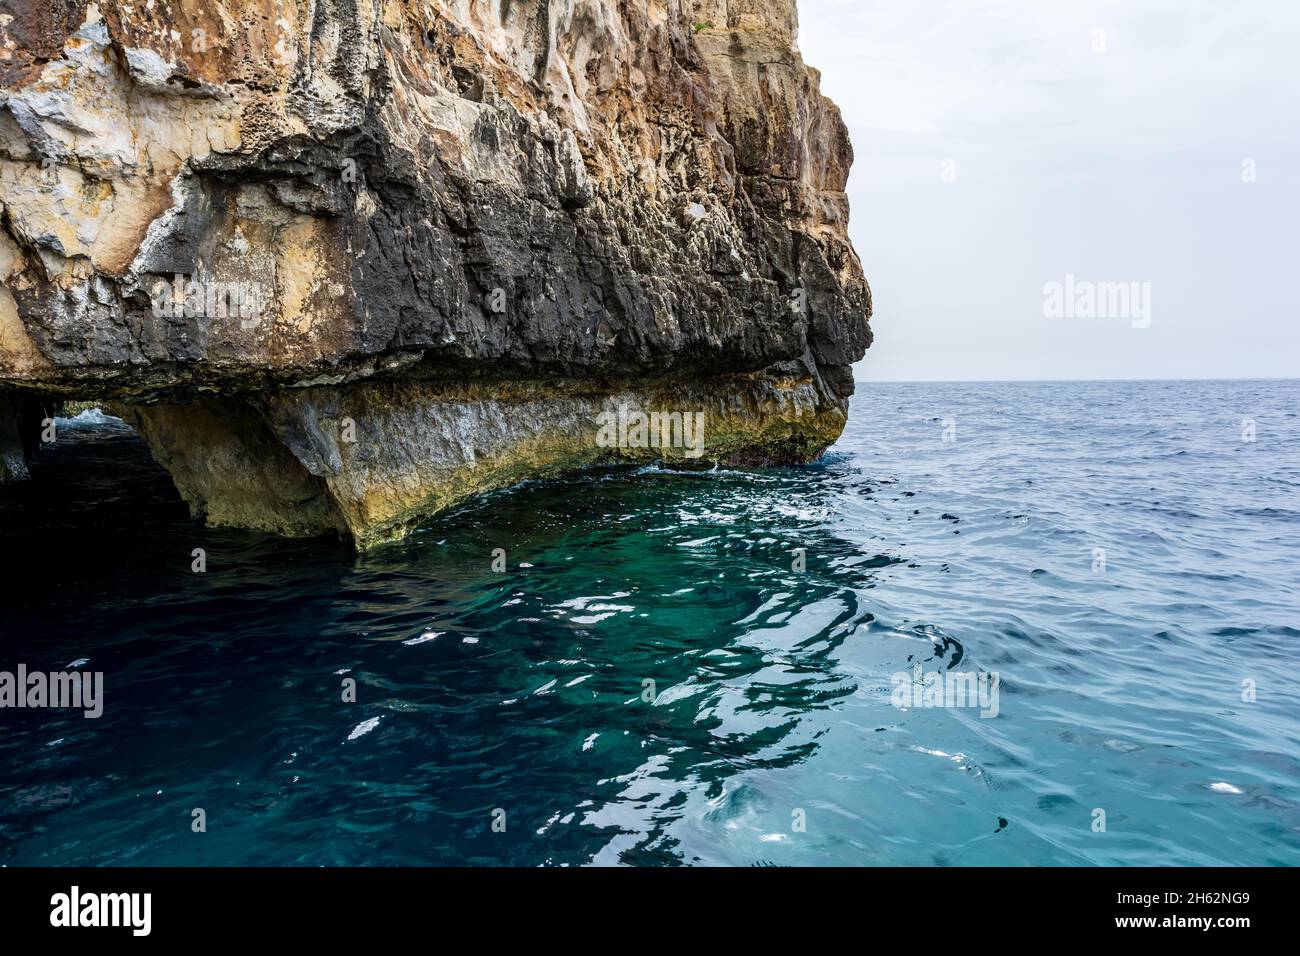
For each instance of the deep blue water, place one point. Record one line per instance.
(1121, 688)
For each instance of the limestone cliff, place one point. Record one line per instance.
(344, 262)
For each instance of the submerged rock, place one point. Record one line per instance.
(344, 264)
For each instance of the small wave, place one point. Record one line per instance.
(1283, 514)
(1280, 630)
(89, 416)
(658, 468)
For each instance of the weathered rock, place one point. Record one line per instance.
(20, 430)
(232, 470)
(458, 230)
(13, 459)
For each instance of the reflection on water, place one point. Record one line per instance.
(653, 682)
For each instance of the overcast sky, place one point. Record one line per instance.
(1005, 144)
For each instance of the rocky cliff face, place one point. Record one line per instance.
(345, 262)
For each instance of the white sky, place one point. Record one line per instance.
(1122, 165)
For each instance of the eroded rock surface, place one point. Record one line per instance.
(346, 262)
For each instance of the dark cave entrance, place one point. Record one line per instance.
(70, 469)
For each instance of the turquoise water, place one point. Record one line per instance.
(769, 735)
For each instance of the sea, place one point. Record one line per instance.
(1016, 624)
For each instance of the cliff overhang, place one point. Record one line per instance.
(345, 263)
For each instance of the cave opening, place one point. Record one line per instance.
(96, 469)
(73, 474)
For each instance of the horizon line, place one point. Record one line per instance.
(1059, 381)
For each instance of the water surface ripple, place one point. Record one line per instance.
(525, 692)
